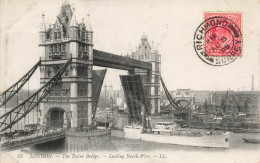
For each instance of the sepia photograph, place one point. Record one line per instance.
(130, 80)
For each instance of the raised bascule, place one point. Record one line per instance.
(66, 102)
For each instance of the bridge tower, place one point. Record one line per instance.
(151, 80)
(70, 103)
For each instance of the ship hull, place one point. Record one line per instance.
(210, 141)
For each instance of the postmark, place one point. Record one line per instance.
(218, 39)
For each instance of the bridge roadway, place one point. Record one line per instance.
(109, 60)
(22, 142)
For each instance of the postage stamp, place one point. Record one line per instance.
(218, 39)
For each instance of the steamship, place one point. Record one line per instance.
(171, 133)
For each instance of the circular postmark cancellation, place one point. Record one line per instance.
(218, 41)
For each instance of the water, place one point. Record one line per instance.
(131, 145)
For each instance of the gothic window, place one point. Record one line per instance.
(59, 47)
(156, 91)
(51, 48)
(90, 38)
(83, 34)
(157, 67)
(80, 47)
(55, 35)
(66, 73)
(48, 35)
(82, 91)
(67, 19)
(64, 47)
(55, 48)
(156, 79)
(59, 35)
(64, 13)
(49, 73)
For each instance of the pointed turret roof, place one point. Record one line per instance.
(88, 24)
(43, 26)
(73, 22)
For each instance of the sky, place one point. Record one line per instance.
(118, 27)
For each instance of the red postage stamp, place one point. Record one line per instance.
(223, 38)
(219, 35)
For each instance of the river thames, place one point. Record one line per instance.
(236, 143)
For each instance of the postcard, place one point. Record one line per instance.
(129, 81)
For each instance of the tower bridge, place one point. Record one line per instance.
(70, 88)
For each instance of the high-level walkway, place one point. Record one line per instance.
(109, 60)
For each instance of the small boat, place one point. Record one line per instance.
(253, 141)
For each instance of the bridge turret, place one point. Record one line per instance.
(144, 49)
(151, 80)
(155, 59)
(68, 38)
(73, 35)
(89, 39)
(89, 47)
(43, 37)
(73, 27)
